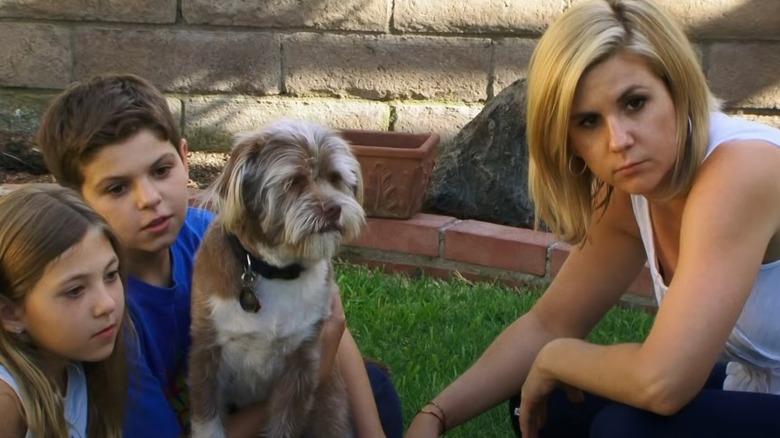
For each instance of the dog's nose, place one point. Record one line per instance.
(331, 210)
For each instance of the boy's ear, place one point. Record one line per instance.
(9, 315)
(183, 149)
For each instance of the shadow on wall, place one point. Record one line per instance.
(727, 75)
(285, 14)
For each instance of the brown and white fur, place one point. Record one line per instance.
(290, 193)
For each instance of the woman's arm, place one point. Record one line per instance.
(731, 217)
(590, 282)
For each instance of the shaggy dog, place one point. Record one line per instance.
(263, 281)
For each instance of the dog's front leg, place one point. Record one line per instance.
(204, 384)
(293, 394)
(330, 416)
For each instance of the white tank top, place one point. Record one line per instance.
(75, 399)
(754, 344)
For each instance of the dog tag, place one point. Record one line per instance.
(248, 300)
(247, 297)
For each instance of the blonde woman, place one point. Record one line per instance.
(62, 348)
(632, 163)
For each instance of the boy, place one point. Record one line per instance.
(115, 140)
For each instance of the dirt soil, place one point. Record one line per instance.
(204, 167)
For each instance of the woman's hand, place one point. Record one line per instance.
(533, 398)
(330, 337)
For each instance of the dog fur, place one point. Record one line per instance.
(290, 193)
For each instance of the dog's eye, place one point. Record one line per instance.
(334, 178)
(295, 183)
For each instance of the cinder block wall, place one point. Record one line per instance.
(406, 65)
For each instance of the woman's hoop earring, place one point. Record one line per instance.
(690, 129)
(581, 172)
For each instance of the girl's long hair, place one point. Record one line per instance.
(37, 225)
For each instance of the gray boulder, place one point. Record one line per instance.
(483, 174)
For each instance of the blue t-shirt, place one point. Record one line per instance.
(158, 404)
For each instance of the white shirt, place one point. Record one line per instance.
(754, 343)
(75, 399)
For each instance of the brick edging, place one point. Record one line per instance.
(443, 247)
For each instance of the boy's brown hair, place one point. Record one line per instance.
(104, 110)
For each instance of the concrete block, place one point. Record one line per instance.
(445, 120)
(129, 11)
(510, 61)
(360, 15)
(386, 67)
(726, 19)
(183, 60)
(211, 122)
(746, 75)
(34, 55)
(475, 16)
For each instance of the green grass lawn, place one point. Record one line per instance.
(429, 331)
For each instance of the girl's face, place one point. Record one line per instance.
(75, 309)
(623, 124)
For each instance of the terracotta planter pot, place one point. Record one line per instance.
(397, 169)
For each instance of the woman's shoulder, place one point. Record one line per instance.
(728, 129)
(739, 177)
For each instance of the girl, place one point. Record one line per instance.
(633, 163)
(62, 373)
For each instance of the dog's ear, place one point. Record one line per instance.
(226, 195)
(359, 183)
(355, 164)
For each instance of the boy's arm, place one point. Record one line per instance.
(361, 396)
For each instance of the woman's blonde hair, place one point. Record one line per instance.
(583, 36)
(37, 225)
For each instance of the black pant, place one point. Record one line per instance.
(712, 413)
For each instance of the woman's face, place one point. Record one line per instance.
(623, 125)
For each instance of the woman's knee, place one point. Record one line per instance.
(617, 420)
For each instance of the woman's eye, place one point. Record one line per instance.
(636, 103)
(588, 121)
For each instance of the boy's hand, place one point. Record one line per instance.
(330, 337)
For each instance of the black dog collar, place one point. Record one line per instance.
(261, 267)
(247, 297)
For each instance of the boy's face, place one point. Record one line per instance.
(140, 187)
